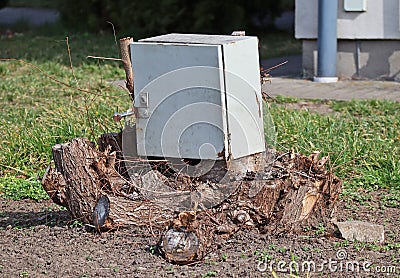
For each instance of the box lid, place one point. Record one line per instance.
(196, 39)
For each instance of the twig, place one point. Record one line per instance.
(151, 226)
(296, 172)
(70, 61)
(340, 154)
(115, 37)
(347, 162)
(274, 67)
(56, 80)
(88, 117)
(15, 169)
(282, 155)
(105, 58)
(209, 215)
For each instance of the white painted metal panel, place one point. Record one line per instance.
(244, 100)
(185, 111)
(198, 96)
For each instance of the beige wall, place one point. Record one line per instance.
(378, 59)
(381, 20)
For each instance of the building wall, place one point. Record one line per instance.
(377, 32)
(378, 59)
(381, 20)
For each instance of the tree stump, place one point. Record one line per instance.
(94, 185)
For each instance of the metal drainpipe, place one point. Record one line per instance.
(327, 41)
(358, 50)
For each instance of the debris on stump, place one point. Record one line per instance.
(92, 183)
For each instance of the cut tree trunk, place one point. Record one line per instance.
(279, 197)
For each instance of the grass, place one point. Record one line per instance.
(38, 112)
(362, 138)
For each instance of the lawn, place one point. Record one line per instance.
(38, 112)
(362, 137)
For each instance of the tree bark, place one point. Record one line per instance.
(293, 191)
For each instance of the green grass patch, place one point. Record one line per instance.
(20, 188)
(362, 140)
(38, 112)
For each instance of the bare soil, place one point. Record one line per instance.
(38, 239)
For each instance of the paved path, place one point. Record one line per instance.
(286, 81)
(341, 90)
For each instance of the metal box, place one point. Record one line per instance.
(355, 5)
(197, 96)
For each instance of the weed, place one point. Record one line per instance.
(76, 224)
(262, 256)
(169, 268)
(211, 262)
(18, 188)
(209, 274)
(390, 234)
(24, 274)
(391, 199)
(392, 246)
(359, 246)
(89, 258)
(295, 265)
(305, 248)
(114, 269)
(374, 247)
(394, 259)
(320, 230)
(271, 246)
(341, 244)
(153, 249)
(224, 257)
(282, 249)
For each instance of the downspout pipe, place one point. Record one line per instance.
(327, 41)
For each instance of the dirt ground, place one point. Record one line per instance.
(38, 239)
